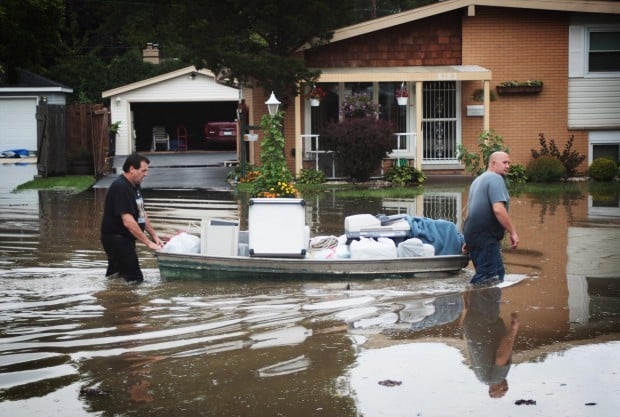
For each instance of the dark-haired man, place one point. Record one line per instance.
(125, 221)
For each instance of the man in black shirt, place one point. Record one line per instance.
(125, 221)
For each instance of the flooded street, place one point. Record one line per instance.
(76, 344)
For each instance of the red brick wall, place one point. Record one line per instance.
(432, 41)
(521, 45)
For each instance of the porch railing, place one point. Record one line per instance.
(404, 147)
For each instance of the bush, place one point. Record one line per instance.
(602, 169)
(517, 174)
(359, 145)
(545, 169)
(477, 162)
(400, 176)
(311, 176)
(569, 158)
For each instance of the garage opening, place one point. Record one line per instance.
(193, 115)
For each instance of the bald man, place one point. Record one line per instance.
(487, 221)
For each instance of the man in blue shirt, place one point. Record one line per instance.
(125, 221)
(488, 219)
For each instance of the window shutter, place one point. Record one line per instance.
(576, 53)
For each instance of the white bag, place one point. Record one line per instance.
(367, 248)
(414, 247)
(182, 243)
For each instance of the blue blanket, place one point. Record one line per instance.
(442, 234)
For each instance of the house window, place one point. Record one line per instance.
(603, 50)
(439, 120)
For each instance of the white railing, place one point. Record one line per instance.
(313, 151)
(405, 149)
(405, 146)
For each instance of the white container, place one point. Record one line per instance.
(277, 227)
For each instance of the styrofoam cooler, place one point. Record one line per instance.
(277, 227)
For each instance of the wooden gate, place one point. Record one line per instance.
(87, 138)
(51, 140)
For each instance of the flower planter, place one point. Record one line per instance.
(402, 101)
(519, 89)
(314, 102)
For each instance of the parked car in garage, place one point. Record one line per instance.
(221, 135)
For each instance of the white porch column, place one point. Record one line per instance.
(298, 141)
(486, 121)
(418, 125)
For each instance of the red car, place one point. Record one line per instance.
(221, 135)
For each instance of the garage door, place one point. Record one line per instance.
(18, 123)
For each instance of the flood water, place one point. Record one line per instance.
(76, 344)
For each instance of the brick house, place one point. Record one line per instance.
(446, 52)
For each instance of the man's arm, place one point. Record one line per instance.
(499, 209)
(130, 223)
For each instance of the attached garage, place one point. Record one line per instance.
(187, 98)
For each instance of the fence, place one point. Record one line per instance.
(72, 139)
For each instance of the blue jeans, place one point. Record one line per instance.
(486, 255)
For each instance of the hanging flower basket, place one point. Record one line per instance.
(315, 95)
(402, 101)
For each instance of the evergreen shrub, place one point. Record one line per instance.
(602, 169)
(545, 169)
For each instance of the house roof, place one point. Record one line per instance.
(30, 82)
(580, 6)
(158, 79)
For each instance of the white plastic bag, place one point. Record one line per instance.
(182, 243)
(367, 248)
(414, 247)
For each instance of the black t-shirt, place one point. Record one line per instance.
(122, 197)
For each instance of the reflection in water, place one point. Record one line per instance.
(489, 340)
(74, 343)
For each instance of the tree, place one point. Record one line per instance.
(29, 34)
(256, 41)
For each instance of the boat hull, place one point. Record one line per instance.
(175, 266)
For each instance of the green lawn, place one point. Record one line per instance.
(73, 183)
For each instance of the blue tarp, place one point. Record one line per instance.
(15, 153)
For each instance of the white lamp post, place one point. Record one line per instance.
(272, 105)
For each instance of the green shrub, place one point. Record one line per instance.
(477, 162)
(517, 174)
(569, 158)
(403, 175)
(359, 145)
(545, 169)
(602, 169)
(311, 176)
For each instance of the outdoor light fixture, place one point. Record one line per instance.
(118, 100)
(272, 104)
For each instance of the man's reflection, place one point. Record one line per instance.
(489, 339)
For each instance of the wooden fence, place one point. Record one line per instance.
(72, 139)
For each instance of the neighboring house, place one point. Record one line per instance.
(18, 108)
(185, 97)
(446, 51)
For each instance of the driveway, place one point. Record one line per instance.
(189, 170)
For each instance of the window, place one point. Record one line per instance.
(604, 50)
